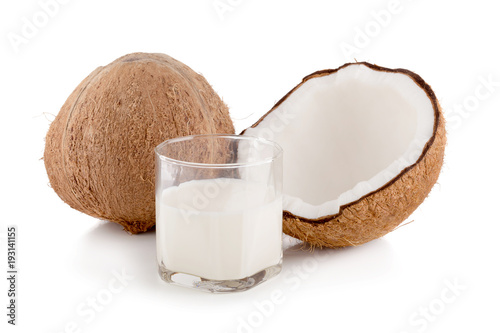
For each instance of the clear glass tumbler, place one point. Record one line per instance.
(218, 211)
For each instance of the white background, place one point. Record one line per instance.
(252, 54)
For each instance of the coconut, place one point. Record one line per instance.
(99, 151)
(363, 146)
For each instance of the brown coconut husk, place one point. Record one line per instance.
(383, 210)
(99, 151)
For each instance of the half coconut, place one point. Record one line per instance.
(363, 146)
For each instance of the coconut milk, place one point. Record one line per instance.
(219, 229)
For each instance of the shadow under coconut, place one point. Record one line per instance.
(108, 247)
(340, 265)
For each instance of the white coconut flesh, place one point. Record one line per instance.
(345, 135)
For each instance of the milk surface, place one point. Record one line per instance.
(219, 229)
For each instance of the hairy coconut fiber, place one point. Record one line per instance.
(382, 210)
(99, 151)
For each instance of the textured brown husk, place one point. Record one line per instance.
(99, 152)
(381, 211)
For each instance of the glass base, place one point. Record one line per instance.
(218, 286)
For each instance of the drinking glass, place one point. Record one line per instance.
(218, 211)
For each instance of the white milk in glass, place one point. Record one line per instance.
(219, 229)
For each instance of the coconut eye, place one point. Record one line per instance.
(363, 146)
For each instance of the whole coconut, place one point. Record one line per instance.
(99, 151)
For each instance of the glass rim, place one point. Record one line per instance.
(277, 150)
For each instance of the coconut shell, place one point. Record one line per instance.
(99, 152)
(380, 211)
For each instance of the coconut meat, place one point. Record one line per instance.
(345, 135)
